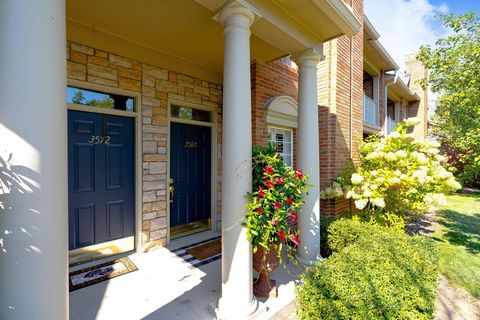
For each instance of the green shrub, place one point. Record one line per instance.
(325, 223)
(373, 275)
(345, 232)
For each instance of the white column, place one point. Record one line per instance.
(308, 155)
(33, 139)
(237, 300)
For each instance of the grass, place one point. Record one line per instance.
(459, 241)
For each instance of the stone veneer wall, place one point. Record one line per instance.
(157, 86)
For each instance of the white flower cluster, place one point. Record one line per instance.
(397, 174)
(332, 192)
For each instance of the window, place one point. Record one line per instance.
(283, 140)
(187, 113)
(99, 99)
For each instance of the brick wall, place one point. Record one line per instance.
(340, 86)
(271, 80)
(157, 86)
(419, 109)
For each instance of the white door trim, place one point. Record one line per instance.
(137, 115)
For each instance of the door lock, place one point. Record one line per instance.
(171, 189)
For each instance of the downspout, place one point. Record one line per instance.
(351, 99)
(386, 98)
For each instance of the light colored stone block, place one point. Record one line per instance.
(129, 84)
(149, 147)
(158, 234)
(153, 177)
(155, 72)
(201, 90)
(158, 223)
(148, 91)
(102, 72)
(158, 167)
(149, 215)
(102, 81)
(184, 81)
(166, 86)
(149, 196)
(154, 129)
(149, 101)
(76, 71)
(119, 61)
(81, 48)
(98, 61)
(148, 80)
(152, 185)
(154, 157)
(129, 73)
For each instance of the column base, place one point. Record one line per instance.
(310, 262)
(254, 310)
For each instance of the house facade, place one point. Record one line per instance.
(130, 127)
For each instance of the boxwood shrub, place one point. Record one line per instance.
(373, 273)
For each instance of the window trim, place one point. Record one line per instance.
(291, 141)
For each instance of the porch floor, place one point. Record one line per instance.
(166, 287)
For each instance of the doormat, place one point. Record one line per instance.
(193, 261)
(206, 250)
(88, 276)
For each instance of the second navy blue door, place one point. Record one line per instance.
(190, 173)
(100, 178)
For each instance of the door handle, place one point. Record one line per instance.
(171, 189)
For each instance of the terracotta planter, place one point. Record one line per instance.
(265, 262)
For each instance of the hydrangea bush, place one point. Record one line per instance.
(397, 175)
(278, 192)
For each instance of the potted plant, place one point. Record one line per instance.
(278, 191)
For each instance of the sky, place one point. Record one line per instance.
(404, 25)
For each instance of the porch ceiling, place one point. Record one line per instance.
(173, 33)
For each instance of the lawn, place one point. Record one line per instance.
(459, 241)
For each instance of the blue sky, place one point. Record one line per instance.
(405, 25)
(459, 6)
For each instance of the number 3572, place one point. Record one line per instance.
(99, 140)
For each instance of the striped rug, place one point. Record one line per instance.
(191, 260)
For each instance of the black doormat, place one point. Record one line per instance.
(101, 272)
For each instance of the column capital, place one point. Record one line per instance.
(237, 8)
(308, 56)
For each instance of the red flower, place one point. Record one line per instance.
(269, 184)
(261, 193)
(295, 239)
(292, 216)
(299, 174)
(281, 234)
(277, 205)
(274, 222)
(277, 155)
(289, 201)
(279, 181)
(268, 170)
(260, 211)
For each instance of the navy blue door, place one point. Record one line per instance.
(101, 202)
(190, 169)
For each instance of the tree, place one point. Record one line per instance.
(453, 64)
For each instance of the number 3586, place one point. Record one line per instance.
(99, 140)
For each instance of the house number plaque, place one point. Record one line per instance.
(191, 144)
(99, 140)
